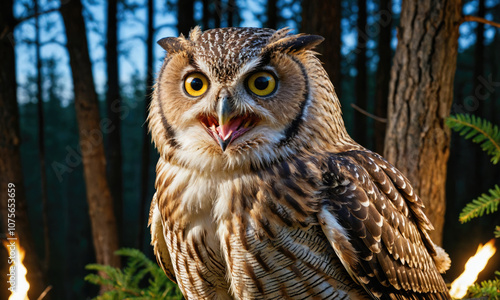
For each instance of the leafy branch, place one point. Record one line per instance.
(481, 131)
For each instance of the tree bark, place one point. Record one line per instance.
(420, 98)
(361, 84)
(185, 16)
(322, 17)
(10, 159)
(383, 72)
(102, 218)
(113, 103)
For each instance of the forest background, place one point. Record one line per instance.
(72, 212)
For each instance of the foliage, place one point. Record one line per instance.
(488, 136)
(481, 131)
(487, 288)
(484, 204)
(140, 279)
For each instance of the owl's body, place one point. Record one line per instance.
(261, 193)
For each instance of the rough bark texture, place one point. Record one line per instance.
(113, 103)
(322, 17)
(10, 159)
(361, 85)
(102, 218)
(185, 16)
(420, 97)
(383, 72)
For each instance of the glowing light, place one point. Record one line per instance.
(17, 270)
(474, 265)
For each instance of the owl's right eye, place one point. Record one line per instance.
(195, 84)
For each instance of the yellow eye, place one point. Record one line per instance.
(195, 84)
(261, 83)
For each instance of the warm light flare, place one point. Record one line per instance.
(17, 270)
(474, 265)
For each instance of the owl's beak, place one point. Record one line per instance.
(227, 126)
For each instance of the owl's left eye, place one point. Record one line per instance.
(262, 83)
(195, 84)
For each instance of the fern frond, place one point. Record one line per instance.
(141, 279)
(484, 204)
(480, 131)
(487, 288)
(497, 235)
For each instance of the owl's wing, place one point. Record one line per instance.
(376, 224)
(158, 241)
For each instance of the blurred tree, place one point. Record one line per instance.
(146, 139)
(114, 168)
(361, 85)
(102, 218)
(185, 16)
(10, 157)
(420, 97)
(383, 72)
(41, 137)
(323, 17)
(272, 13)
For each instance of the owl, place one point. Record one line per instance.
(260, 191)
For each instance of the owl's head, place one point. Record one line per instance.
(235, 98)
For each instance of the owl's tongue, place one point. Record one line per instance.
(225, 131)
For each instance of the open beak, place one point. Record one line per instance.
(226, 128)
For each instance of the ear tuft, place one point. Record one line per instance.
(295, 43)
(173, 44)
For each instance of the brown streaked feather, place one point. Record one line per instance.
(385, 224)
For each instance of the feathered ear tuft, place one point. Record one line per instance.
(294, 43)
(172, 44)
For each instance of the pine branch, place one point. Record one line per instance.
(480, 131)
(484, 204)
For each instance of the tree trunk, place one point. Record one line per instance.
(361, 85)
(420, 98)
(41, 141)
(383, 72)
(206, 14)
(322, 17)
(185, 16)
(146, 139)
(102, 218)
(10, 160)
(272, 14)
(113, 103)
(217, 13)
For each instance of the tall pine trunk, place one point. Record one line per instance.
(102, 218)
(113, 104)
(383, 72)
(272, 14)
(420, 98)
(322, 17)
(361, 84)
(185, 16)
(146, 139)
(10, 160)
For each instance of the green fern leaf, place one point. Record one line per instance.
(484, 204)
(497, 235)
(480, 131)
